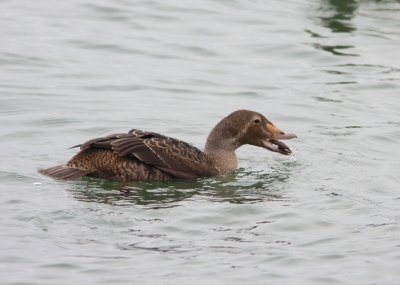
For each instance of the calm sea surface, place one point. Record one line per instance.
(327, 70)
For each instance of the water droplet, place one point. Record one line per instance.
(37, 184)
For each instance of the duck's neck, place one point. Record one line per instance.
(221, 151)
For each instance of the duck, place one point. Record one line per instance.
(148, 156)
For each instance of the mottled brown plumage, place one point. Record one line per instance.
(140, 155)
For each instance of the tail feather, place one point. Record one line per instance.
(64, 172)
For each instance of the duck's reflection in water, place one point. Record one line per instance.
(240, 187)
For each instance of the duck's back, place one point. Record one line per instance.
(136, 155)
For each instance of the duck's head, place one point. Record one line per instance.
(249, 127)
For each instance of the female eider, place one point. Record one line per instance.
(140, 155)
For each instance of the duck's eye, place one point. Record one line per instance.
(257, 121)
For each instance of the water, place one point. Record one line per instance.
(326, 70)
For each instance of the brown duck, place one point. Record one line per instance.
(140, 155)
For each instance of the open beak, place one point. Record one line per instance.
(274, 143)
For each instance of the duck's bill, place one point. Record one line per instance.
(276, 146)
(284, 136)
(274, 143)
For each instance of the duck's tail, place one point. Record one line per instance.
(64, 172)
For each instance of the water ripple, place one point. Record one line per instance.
(325, 70)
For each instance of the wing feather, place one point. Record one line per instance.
(170, 155)
(180, 159)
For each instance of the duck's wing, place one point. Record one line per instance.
(102, 142)
(105, 142)
(173, 156)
